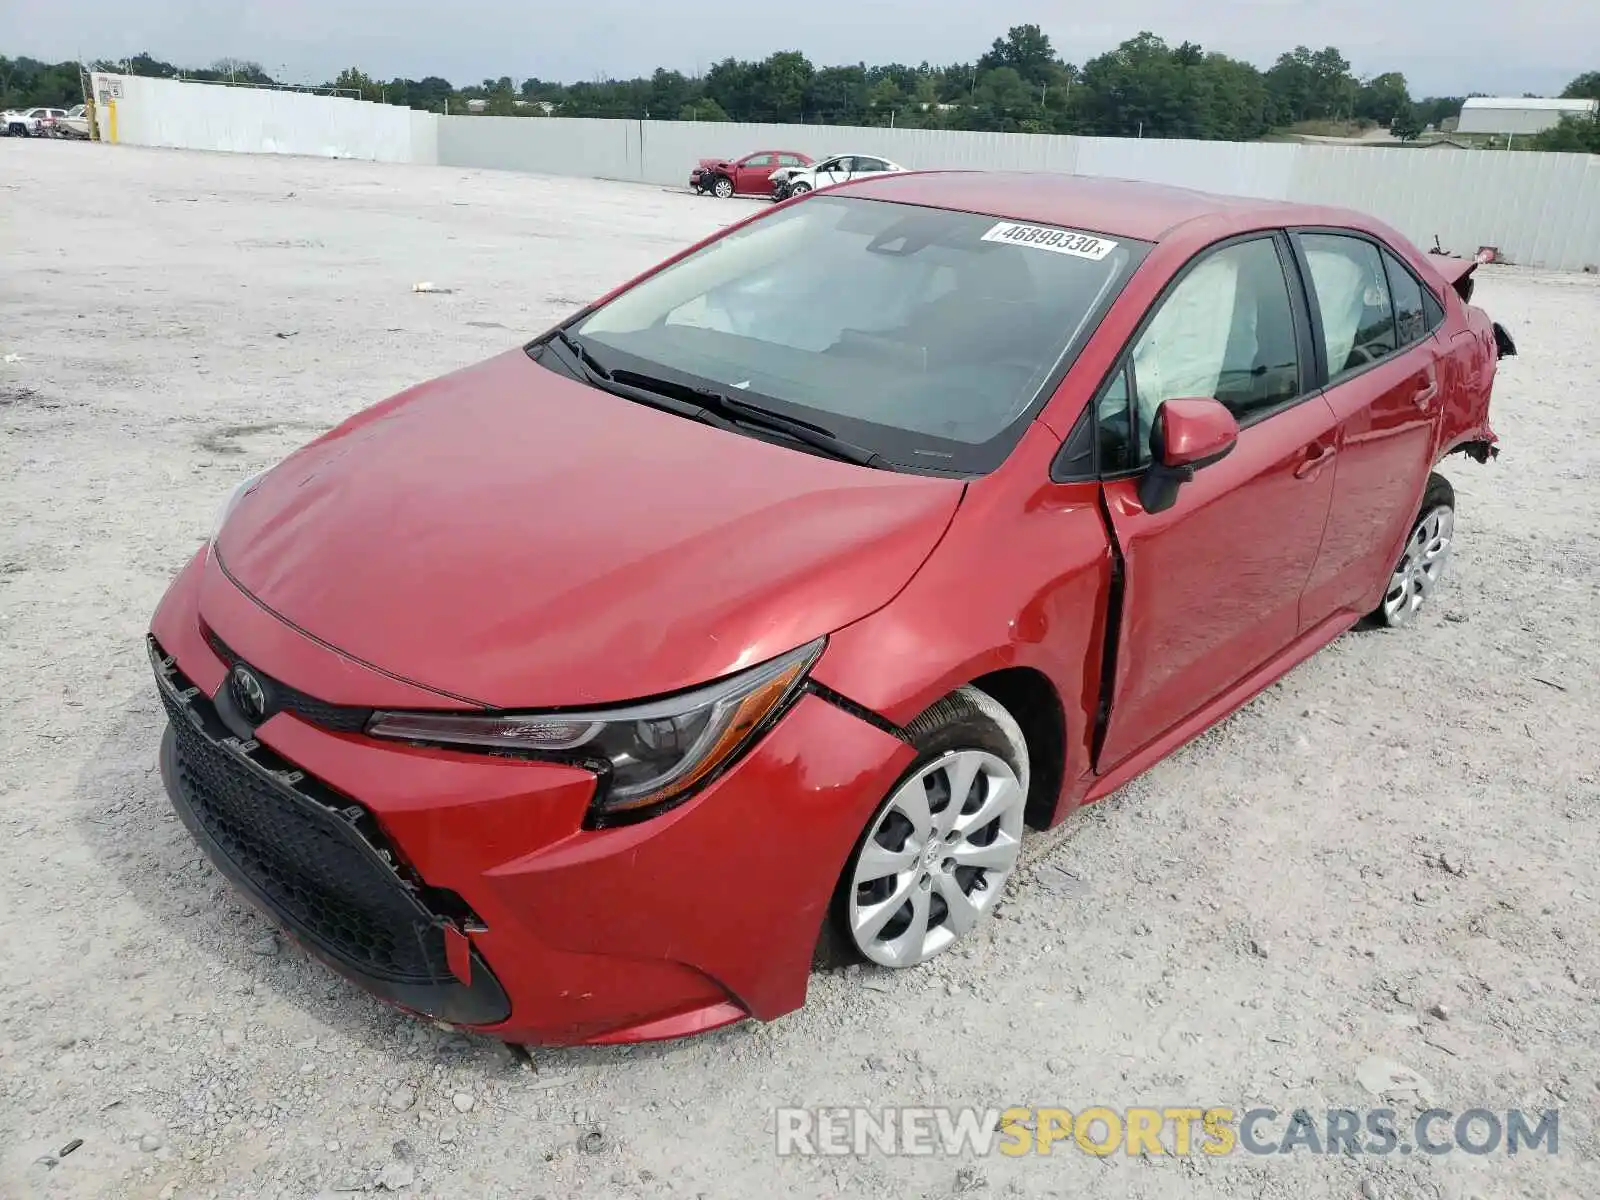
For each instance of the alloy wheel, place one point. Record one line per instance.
(723, 188)
(937, 858)
(1421, 566)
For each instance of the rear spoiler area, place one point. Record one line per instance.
(1458, 272)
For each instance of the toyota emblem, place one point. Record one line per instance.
(249, 695)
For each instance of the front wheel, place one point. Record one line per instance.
(1424, 560)
(799, 189)
(723, 188)
(939, 850)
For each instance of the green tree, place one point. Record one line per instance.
(1437, 109)
(731, 84)
(1575, 135)
(1383, 98)
(703, 109)
(782, 81)
(1025, 49)
(1584, 87)
(352, 79)
(432, 94)
(1311, 85)
(1407, 124)
(670, 92)
(1136, 90)
(838, 96)
(25, 82)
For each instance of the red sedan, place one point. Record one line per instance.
(586, 694)
(747, 176)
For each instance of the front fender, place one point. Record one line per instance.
(1021, 579)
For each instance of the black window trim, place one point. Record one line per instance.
(1306, 344)
(1385, 253)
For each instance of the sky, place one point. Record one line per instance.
(1444, 47)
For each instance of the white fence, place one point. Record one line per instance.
(198, 116)
(1539, 209)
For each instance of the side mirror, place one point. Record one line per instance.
(1187, 435)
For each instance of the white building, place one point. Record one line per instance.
(1519, 114)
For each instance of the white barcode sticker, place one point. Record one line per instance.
(1057, 241)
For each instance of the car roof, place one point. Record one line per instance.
(1119, 207)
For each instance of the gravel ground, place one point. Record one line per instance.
(1403, 827)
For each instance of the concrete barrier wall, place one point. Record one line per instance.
(1539, 209)
(196, 116)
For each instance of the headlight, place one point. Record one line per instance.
(231, 503)
(650, 755)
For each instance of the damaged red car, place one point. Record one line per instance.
(754, 614)
(747, 176)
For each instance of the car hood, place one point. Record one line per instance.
(513, 537)
(711, 162)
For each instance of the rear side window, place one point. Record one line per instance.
(1435, 310)
(1410, 314)
(790, 160)
(1358, 318)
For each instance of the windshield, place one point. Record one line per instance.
(926, 335)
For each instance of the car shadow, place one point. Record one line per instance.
(121, 811)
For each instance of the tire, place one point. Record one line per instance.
(800, 189)
(905, 895)
(722, 188)
(1423, 562)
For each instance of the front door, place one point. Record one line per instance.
(1376, 337)
(1212, 585)
(836, 170)
(754, 175)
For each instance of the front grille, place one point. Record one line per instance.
(340, 718)
(315, 857)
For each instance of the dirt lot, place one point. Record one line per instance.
(1407, 823)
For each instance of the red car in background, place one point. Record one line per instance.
(590, 693)
(747, 176)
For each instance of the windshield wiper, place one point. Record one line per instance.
(708, 404)
(596, 374)
(582, 353)
(735, 408)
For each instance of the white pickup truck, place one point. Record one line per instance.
(31, 122)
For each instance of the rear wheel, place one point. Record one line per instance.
(937, 854)
(1424, 560)
(723, 187)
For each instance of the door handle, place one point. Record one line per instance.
(1425, 394)
(1317, 457)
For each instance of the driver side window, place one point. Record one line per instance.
(1225, 331)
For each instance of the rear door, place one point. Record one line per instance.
(1211, 586)
(1376, 347)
